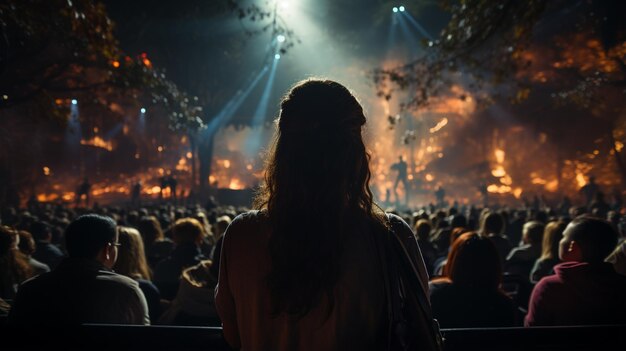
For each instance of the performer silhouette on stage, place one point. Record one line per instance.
(401, 167)
(589, 190)
(484, 193)
(169, 181)
(83, 189)
(440, 195)
(173, 183)
(135, 194)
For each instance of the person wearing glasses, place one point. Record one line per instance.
(83, 288)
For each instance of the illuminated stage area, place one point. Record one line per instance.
(193, 94)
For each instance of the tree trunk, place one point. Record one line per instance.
(618, 158)
(194, 150)
(205, 154)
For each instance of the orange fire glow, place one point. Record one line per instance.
(588, 55)
(499, 189)
(236, 184)
(182, 165)
(505, 179)
(498, 171)
(580, 179)
(97, 141)
(499, 155)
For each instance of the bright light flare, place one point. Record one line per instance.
(395, 9)
(580, 179)
(236, 184)
(143, 110)
(499, 153)
(498, 172)
(499, 189)
(97, 141)
(284, 6)
(74, 102)
(552, 186)
(281, 38)
(439, 125)
(401, 8)
(277, 57)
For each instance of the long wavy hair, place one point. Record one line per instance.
(316, 188)
(131, 257)
(150, 230)
(552, 234)
(14, 266)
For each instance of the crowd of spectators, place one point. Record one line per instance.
(166, 252)
(479, 275)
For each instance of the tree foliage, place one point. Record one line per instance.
(56, 48)
(267, 19)
(538, 70)
(495, 45)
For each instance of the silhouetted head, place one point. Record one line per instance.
(92, 236)
(317, 173)
(188, 231)
(458, 220)
(532, 232)
(422, 229)
(26, 243)
(318, 149)
(492, 223)
(552, 235)
(587, 239)
(474, 262)
(40, 231)
(150, 229)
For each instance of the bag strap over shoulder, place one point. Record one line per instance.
(402, 275)
(414, 258)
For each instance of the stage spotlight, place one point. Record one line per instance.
(401, 8)
(74, 102)
(283, 6)
(277, 57)
(395, 9)
(143, 110)
(281, 38)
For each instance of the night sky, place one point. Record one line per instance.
(204, 49)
